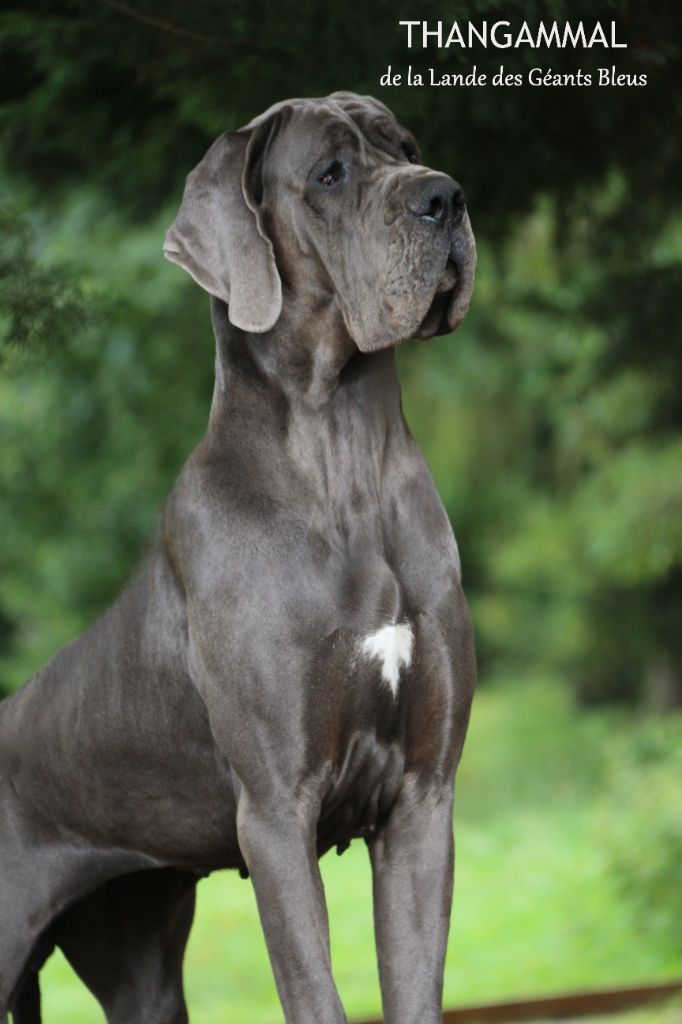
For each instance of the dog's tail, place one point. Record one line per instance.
(26, 1009)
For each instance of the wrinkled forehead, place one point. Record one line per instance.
(310, 127)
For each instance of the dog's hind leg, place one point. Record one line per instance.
(126, 942)
(26, 1009)
(41, 876)
(37, 881)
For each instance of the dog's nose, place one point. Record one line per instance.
(436, 199)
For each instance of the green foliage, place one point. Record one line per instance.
(40, 308)
(642, 824)
(91, 441)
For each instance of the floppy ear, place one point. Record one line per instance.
(218, 236)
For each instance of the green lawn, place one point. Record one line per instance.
(538, 905)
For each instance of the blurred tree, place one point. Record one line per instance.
(552, 422)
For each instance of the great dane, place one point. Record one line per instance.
(292, 667)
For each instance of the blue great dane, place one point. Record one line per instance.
(292, 667)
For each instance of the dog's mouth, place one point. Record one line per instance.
(455, 287)
(436, 320)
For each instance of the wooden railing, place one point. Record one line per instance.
(561, 1007)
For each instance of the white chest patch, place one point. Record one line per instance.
(392, 647)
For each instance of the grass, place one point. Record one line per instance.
(538, 907)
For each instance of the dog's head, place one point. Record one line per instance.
(326, 201)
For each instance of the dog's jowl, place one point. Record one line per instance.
(292, 666)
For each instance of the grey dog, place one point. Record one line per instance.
(292, 666)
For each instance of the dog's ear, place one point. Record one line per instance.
(218, 236)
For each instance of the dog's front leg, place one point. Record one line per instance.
(278, 843)
(412, 865)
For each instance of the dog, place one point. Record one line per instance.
(293, 665)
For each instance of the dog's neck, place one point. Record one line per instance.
(336, 423)
(305, 369)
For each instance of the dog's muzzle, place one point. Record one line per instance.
(455, 287)
(463, 259)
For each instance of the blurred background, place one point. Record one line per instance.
(552, 423)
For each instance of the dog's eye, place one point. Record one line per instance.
(409, 152)
(332, 175)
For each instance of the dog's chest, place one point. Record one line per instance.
(372, 629)
(374, 616)
(389, 651)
